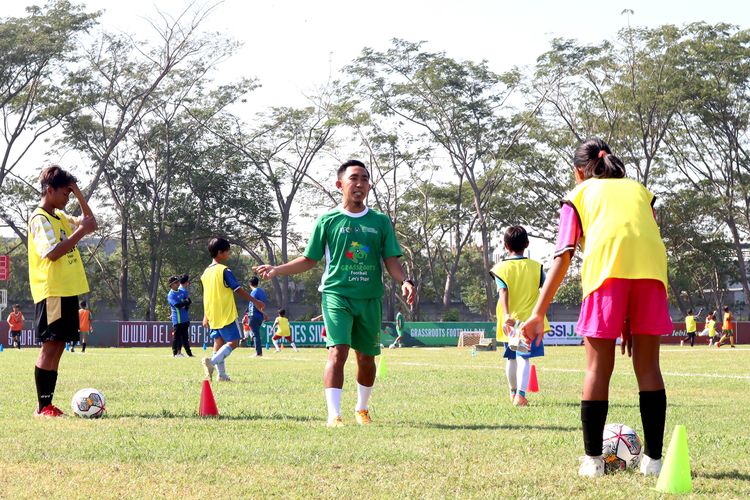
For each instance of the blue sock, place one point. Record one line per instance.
(522, 394)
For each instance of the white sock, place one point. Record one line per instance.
(275, 344)
(522, 375)
(293, 346)
(363, 397)
(333, 400)
(222, 369)
(221, 354)
(510, 374)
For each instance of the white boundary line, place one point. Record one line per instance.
(577, 370)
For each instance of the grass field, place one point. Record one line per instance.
(443, 428)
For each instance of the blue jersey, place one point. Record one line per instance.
(260, 294)
(178, 301)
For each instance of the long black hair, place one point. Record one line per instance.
(594, 158)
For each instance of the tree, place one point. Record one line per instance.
(462, 108)
(121, 83)
(710, 145)
(282, 148)
(33, 53)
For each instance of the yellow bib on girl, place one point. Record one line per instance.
(620, 236)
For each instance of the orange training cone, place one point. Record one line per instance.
(208, 403)
(533, 382)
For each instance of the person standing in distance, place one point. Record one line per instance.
(15, 323)
(185, 289)
(56, 277)
(179, 302)
(255, 315)
(84, 324)
(356, 242)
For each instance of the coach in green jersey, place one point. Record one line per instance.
(355, 241)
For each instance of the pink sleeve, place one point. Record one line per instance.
(569, 230)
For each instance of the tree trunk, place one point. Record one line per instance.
(487, 278)
(124, 309)
(740, 259)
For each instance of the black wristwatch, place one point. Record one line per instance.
(408, 280)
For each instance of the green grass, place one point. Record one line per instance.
(443, 428)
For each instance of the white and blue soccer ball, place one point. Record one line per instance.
(88, 403)
(621, 448)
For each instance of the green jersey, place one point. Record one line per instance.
(354, 246)
(399, 323)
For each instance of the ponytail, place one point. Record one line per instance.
(595, 159)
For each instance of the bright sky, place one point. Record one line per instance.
(293, 46)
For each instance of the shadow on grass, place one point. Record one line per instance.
(577, 404)
(194, 415)
(492, 427)
(735, 474)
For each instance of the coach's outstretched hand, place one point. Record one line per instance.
(409, 291)
(265, 271)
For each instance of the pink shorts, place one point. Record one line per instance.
(642, 301)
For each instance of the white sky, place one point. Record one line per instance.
(293, 46)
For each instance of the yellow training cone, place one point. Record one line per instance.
(382, 368)
(675, 472)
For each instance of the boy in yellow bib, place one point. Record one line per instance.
(56, 277)
(711, 327)
(220, 311)
(282, 331)
(690, 327)
(518, 281)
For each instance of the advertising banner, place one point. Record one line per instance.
(309, 333)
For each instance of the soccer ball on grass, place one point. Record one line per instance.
(621, 447)
(88, 403)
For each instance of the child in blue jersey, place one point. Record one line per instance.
(179, 302)
(220, 310)
(518, 281)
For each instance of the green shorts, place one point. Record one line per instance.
(353, 322)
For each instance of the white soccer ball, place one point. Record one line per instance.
(88, 403)
(621, 447)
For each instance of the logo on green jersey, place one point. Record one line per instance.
(357, 252)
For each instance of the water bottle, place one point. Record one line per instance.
(474, 352)
(516, 342)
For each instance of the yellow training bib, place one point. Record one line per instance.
(64, 277)
(620, 236)
(218, 300)
(284, 330)
(522, 277)
(690, 325)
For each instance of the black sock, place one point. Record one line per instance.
(653, 416)
(83, 346)
(593, 418)
(46, 380)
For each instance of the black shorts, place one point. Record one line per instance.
(64, 329)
